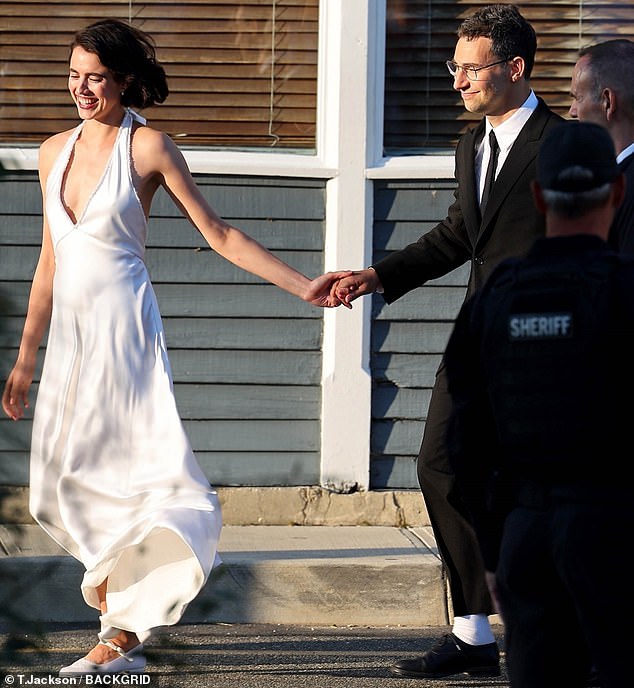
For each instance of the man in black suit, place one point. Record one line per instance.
(601, 93)
(491, 68)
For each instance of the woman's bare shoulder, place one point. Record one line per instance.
(150, 148)
(51, 147)
(146, 137)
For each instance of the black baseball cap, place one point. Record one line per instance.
(576, 156)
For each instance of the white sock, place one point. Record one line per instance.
(473, 629)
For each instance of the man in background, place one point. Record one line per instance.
(602, 93)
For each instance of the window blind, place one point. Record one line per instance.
(241, 74)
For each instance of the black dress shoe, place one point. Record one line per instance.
(452, 656)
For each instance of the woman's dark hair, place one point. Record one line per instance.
(130, 55)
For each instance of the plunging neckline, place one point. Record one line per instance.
(67, 209)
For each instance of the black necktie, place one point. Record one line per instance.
(490, 176)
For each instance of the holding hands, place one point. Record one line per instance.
(355, 284)
(321, 291)
(329, 290)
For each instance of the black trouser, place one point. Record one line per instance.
(448, 515)
(564, 581)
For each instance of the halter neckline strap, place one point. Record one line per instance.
(135, 115)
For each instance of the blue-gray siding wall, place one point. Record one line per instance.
(408, 336)
(246, 356)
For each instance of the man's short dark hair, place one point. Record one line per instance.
(511, 35)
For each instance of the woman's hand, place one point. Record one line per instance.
(321, 291)
(356, 284)
(15, 399)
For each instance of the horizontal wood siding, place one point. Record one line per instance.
(409, 336)
(246, 356)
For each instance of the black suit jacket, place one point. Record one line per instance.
(621, 236)
(509, 227)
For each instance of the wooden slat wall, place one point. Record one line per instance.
(409, 336)
(240, 73)
(246, 356)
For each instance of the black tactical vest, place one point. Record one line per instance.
(553, 337)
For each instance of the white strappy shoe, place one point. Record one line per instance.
(132, 662)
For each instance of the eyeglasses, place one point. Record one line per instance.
(469, 71)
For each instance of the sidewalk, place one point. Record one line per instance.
(291, 555)
(360, 575)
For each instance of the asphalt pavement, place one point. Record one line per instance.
(222, 655)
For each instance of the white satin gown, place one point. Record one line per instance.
(113, 476)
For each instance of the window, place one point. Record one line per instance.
(423, 112)
(241, 74)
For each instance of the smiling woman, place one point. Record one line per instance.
(113, 476)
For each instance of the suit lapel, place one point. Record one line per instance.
(469, 194)
(523, 152)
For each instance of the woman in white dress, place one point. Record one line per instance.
(113, 476)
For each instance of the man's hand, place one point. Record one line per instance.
(358, 284)
(322, 292)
